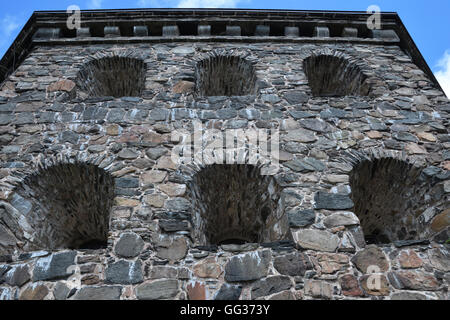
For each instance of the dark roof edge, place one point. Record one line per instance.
(240, 10)
(19, 49)
(23, 43)
(415, 53)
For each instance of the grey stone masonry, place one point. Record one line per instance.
(111, 184)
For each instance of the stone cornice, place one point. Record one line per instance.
(220, 25)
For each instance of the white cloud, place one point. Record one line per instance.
(208, 3)
(9, 24)
(443, 74)
(95, 4)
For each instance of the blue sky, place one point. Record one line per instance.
(428, 21)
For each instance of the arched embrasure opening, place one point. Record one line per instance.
(70, 206)
(390, 199)
(225, 75)
(333, 76)
(114, 76)
(235, 204)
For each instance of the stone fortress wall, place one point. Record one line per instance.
(93, 207)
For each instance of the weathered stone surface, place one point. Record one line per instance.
(157, 290)
(316, 240)
(172, 250)
(18, 275)
(34, 291)
(62, 85)
(319, 289)
(284, 296)
(330, 263)
(300, 135)
(348, 243)
(337, 178)
(5, 294)
(291, 198)
(183, 87)
(441, 221)
(61, 291)
(426, 136)
(270, 285)
(226, 113)
(247, 267)
(90, 279)
(414, 148)
(178, 204)
(159, 114)
(442, 236)
(350, 286)
(440, 259)
(31, 255)
(236, 124)
(315, 125)
(6, 237)
(124, 272)
(294, 264)
(305, 165)
(127, 183)
(183, 50)
(228, 292)
(6, 118)
(447, 187)
(374, 135)
(156, 153)
(174, 225)
(98, 293)
(155, 200)
(407, 243)
(154, 176)
(3, 270)
(301, 218)
(55, 266)
(196, 291)
(333, 113)
(6, 258)
(413, 280)
(370, 256)
(154, 138)
(125, 202)
(128, 154)
(207, 268)
(332, 201)
(157, 272)
(240, 247)
(296, 97)
(375, 285)
(409, 260)
(341, 219)
(408, 296)
(173, 189)
(24, 206)
(129, 245)
(405, 136)
(270, 98)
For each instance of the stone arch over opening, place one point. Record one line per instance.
(66, 206)
(236, 204)
(394, 199)
(225, 73)
(333, 74)
(116, 75)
